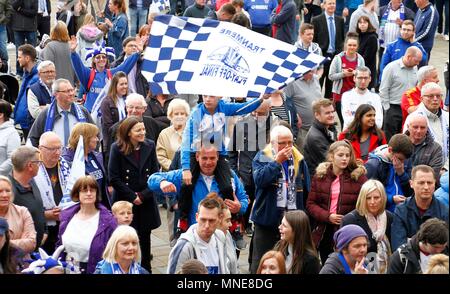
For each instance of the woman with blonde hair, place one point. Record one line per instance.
(334, 192)
(22, 233)
(370, 214)
(58, 51)
(272, 263)
(122, 254)
(93, 160)
(438, 265)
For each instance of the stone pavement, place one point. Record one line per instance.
(161, 248)
(160, 239)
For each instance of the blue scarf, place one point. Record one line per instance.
(384, 19)
(50, 121)
(345, 264)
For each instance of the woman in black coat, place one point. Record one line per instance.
(368, 46)
(370, 214)
(132, 160)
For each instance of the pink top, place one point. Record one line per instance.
(335, 190)
(21, 227)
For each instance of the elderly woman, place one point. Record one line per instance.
(334, 192)
(122, 254)
(169, 140)
(86, 227)
(10, 138)
(21, 227)
(132, 161)
(93, 160)
(58, 51)
(370, 214)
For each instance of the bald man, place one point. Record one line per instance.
(399, 76)
(51, 181)
(426, 150)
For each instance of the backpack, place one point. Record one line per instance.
(91, 80)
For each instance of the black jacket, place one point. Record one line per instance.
(24, 16)
(321, 36)
(317, 141)
(368, 47)
(409, 14)
(406, 259)
(128, 177)
(356, 219)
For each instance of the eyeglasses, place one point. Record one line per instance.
(100, 57)
(48, 72)
(55, 149)
(67, 91)
(362, 78)
(135, 107)
(36, 161)
(438, 96)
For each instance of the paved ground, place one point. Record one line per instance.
(160, 243)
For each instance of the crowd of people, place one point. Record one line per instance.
(343, 171)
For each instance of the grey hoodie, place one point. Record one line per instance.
(86, 37)
(187, 248)
(10, 141)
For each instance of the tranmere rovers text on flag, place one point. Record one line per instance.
(203, 56)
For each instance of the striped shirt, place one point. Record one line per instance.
(391, 28)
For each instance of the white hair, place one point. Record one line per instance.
(177, 102)
(46, 136)
(136, 96)
(414, 116)
(278, 131)
(423, 72)
(44, 64)
(430, 86)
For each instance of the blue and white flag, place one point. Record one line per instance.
(203, 56)
(96, 113)
(160, 6)
(76, 172)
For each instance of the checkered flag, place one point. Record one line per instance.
(160, 6)
(204, 56)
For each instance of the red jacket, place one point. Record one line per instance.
(319, 198)
(410, 98)
(375, 141)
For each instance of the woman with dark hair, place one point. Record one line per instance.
(297, 244)
(368, 46)
(93, 160)
(363, 132)
(132, 160)
(334, 191)
(58, 51)
(342, 70)
(113, 107)
(10, 137)
(85, 227)
(7, 260)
